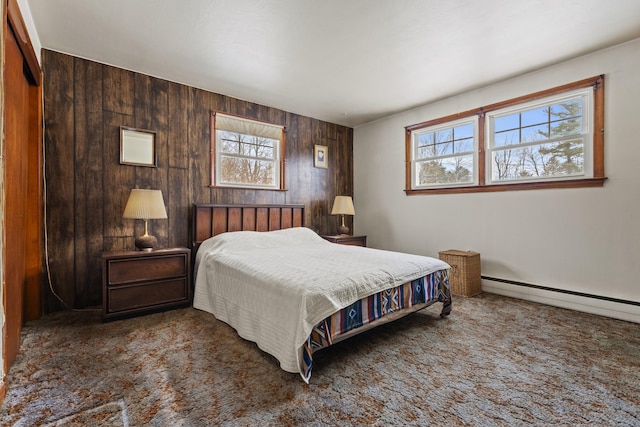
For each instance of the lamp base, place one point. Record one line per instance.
(343, 229)
(146, 242)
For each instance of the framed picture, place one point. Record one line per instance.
(137, 147)
(320, 156)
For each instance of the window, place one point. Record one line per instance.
(541, 140)
(549, 139)
(246, 153)
(444, 155)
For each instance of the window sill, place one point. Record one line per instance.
(234, 187)
(574, 183)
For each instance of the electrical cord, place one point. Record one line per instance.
(46, 232)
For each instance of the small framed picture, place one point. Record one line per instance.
(320, 156)
(137, 147)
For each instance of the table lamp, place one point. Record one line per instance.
(343, 205)
(145, 205)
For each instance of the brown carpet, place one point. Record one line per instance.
(108, 415)
(494, 361)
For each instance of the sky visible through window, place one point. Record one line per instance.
(540, 123)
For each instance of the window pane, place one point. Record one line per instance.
(464, 131)
(535, 133)
(232, 143)
(507, 138)
(506, 123)
(571, 108)
(230, 146)
(425, 139)
(444, 148)
(443, 135)
(248, 171)
(566, 127)
(434, 150)
(452, 170)
(515, 163)
(564, 158)
(446, 142)
(426, 152)
(464, 145)
(539, 124)
(247, 145)
(257, 147)
(535, 117)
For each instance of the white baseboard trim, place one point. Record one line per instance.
(616, 310)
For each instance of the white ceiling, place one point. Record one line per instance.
(343, 61)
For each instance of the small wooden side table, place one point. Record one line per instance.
(137, 282)
(346, 239)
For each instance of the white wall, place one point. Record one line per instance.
(584, 240)
(25, 10)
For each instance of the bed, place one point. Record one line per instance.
(282, 286)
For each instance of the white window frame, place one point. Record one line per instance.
(586, 135)
(415, 160)
(251, 128)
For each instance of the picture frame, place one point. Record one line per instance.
(320, 156)
(137, 147)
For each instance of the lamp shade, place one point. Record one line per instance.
(343, 205)
(145, 204)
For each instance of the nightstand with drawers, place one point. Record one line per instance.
(139, 282)
(346, 239)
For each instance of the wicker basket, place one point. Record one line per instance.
(464, 276)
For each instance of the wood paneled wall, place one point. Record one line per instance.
(87, 188)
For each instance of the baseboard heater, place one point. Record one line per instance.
(563, 291)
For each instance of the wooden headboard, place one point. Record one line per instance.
(212, 219)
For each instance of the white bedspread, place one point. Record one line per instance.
(274, 287)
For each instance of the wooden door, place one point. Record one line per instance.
(22, 250)
(16, 167)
